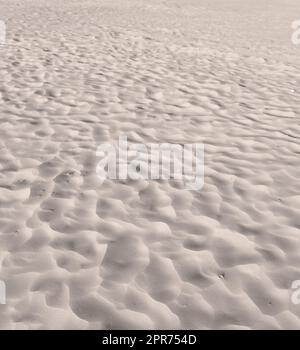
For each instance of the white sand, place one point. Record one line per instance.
(77, 255)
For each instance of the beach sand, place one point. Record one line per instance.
(76, 253)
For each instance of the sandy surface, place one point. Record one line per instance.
(76, 254)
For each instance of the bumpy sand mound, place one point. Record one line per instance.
(149, 254)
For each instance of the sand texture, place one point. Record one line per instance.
(78, 254)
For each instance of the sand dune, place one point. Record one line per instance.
(78, 254)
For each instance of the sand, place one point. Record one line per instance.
(78, 254)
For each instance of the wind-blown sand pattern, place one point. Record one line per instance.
(76, 254)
